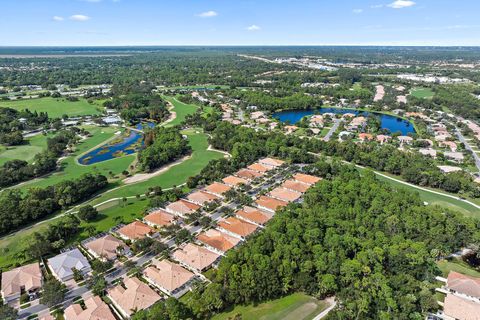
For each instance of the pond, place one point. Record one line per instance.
(389, 122)
(127, 143)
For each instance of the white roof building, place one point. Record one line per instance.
(62, 265)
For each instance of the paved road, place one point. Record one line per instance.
(468, 147)
(333, 129)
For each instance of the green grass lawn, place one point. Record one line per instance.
(181, 109)
(55, 107)
(457, 265)
(71, 169)
(297, 306)
(422, 93)
(27, 151)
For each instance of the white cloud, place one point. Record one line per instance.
(253, 27)
(376, 6)
(58, 18)
(79, 17)
(357, 11)
(399, 4)
(208, 14)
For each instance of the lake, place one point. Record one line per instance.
(389, 122)
(127, 143)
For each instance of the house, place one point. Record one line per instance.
(95, 309)
(454, 307)
(270, 204)
(365, 136)
(402, 99)
(63, 264)
(290, 129)
(236, 227)
(383, 138)
(248, 174)
(233, 181)
(284, 194)
(171, 278)
(448, 169)
(107, 248)
(454, 156)
(463, 285)
(217, 189)
(296, 186)
(201, 197)
(26, 279)
(448, 144)
(306, 178)
(428, 152)
(195, 257)
(254, 215)
(135, 230)
(182, 208)
(159, 218)
(257, 115)
(316, 121)
(258, 167)
(218, 241)
(271, 162)
(356, 123)
(133, 295)
(405, 139)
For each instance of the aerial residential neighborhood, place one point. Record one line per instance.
(239, 160)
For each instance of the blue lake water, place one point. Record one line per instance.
(127, 144)
(391, 123)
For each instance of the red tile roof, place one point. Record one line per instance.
(464, 284)
(218, 240)
(248, 174)
(182, 207)
(234, 181)
(284, 194)
(296, 186)
(201, 197)
(237, 226)
(271, 162)
(255, 215)
(135, 230)
(160, 218)
(458, 308)
(168, 275)
(195, 257)
(217, 188)
(270, 203)
(259, 167)
(306, 178)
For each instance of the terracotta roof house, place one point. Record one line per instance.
(448, 169)
(284, 194)
(218, 241)
(62, 265)
(22, 279)
(306, 178)
(195, 257)
(455, 307)
(233, 181)
(254, 215)
(271, 162)
(365, 136)
(201, 197)
(237, 227)
(270, 204)
(405, 139)
(428, 152)
(136, 295)
(463, 284)
(169, 277)
(135, 230)
(182, 207)
(248, 174)
(450, 144)
(454, 156)
(259, 167)
(46, 316)
(295, 186)
(107, 247)
(218, 189)
(159, 218)
(95, 309)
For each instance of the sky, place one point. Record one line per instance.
(239, 22)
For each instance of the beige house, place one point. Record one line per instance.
(182, 208)
(133, 295)
(306, 178)
(159, 218)
(26, 279)
(107, 248)
(236, 227)
(270, 204)
(135, 230)
(218, 241)
(95, 309)
(195, 257)
(169, 277)
(285, 194)
(201, 197)
(254, 215)
(217, 189)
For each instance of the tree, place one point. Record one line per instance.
(87, 213)
(7, 312)
(97, 284)
(53, 292)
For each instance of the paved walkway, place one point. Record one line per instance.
(332, 302)
(468, 147)
(333, 129)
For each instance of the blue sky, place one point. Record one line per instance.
(239, 22)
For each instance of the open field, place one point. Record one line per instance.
(71, 169)
(456, 265)
(422, 93)
(55, 107)
(297, 306)
(181, 109)
(27, 151)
